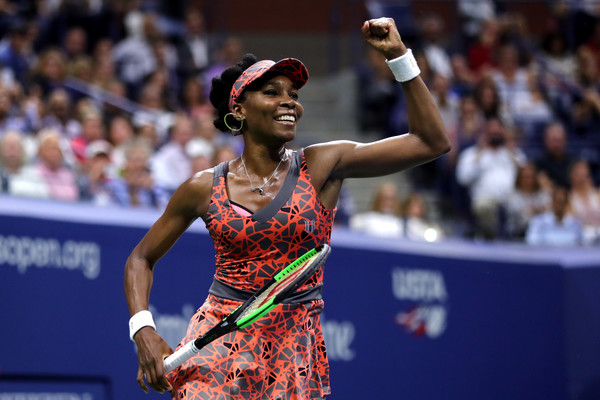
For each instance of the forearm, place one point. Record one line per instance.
(138, 283)
(424, 118)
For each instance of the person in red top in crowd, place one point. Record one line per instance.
(262, 209)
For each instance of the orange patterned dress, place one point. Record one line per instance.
(281, 356)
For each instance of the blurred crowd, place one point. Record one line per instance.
(523, 115)
(107, 102)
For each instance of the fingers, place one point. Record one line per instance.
(155, 378)
(383, 36)
(379, 27)
(140, 380)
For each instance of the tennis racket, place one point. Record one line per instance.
(282, 286)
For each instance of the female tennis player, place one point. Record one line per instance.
(263, 210)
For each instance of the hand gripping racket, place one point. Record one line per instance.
(282, 286)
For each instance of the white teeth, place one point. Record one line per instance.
(289, 118)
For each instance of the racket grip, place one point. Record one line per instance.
(180, 356)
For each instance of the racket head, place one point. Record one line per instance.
(284, 284)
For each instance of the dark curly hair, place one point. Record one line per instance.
(221, 87)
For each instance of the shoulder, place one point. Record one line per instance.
(193, 195)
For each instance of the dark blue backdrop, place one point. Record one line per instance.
(403, 320)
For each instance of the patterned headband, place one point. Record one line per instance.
(290, 67)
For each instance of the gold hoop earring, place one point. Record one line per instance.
(230, 128)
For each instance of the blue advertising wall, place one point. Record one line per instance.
(403, 320)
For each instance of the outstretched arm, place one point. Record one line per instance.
(425, 141)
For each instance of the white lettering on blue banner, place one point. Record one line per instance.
(418, 285)
(24, 252)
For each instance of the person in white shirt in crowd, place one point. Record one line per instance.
(557, 227)
(16, 177)
(171, 165)
(418, 225)
(383, 220)
(489, 170)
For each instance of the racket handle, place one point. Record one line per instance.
(180, 356)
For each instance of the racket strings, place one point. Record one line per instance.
(283, 282)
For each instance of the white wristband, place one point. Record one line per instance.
(404, 67)
(140, 320)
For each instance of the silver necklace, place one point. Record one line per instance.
(259, 188)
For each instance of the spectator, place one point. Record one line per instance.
(153, 112)
(519, 92)
(104, 72)
(135, 187)
(417, 223)
(557, 228)
(92, 128)
(489, 102)
(8, 120)
(463, 80)
(59, 115)
(384, 218)
(556, 57)
(75, 43)
(228, 54)
(14, 56)
(529, 199)
(586, 102)
(120, 133)
(171, 165)
(147, 132)
(584, 197)
(433, 35)
(61, 181)
(193, 49)
(16, 177)
(165, 75)
(50, 72)
(447, 101)
(470, 121)
(480, 54)
(454, 200)
(473, 16)
(194, 102)
(133, 55)
(95, 175)
(556, 160)
(489, 169)
(557, 67)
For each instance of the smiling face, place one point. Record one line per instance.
(273, 110)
